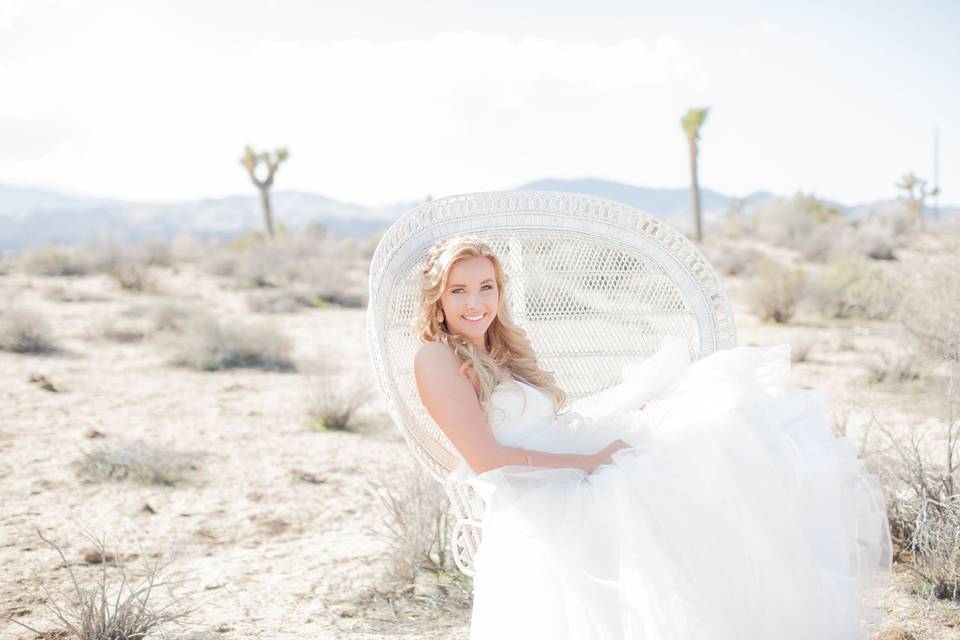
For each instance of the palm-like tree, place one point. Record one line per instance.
(692, 121)
(250, 160)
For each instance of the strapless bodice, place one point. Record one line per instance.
(516, 410)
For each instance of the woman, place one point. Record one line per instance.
(694, 500)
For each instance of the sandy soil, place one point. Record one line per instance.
(275, 523)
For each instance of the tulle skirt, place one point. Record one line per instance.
(736, 515)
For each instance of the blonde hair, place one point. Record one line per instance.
(510, 353)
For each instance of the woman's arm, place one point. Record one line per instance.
(452, 402)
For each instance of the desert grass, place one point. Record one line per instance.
(209, 344)
(417, 528)
(102, 610)
(335, 399)
(138, 462)
(24, 330)
(801, 348)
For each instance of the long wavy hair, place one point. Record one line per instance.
(509, 353)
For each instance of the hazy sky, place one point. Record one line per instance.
(380, 100)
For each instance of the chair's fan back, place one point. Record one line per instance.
(595, 283)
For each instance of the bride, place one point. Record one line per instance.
(693, 500)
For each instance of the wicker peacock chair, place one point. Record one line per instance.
(596, 284)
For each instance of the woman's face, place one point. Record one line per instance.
(470, 299)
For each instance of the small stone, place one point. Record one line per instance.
(41, 381)
(94, 556)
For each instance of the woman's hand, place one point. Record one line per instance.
(606, 456)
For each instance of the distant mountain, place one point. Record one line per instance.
(35, 216)
(672, 205)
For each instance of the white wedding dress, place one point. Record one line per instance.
(735, 515)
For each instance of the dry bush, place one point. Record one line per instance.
(117, 330)
(154, 252)
(923, 477)
(169, 315)
(277, 301)
(804, 223)
(731, 258)
(187, 248)
(776, 290)
(321, 267)
(63, 294)
(930, 309)
(335, 400)
(853, 287)
(417, 528)
(105, 611)
(56, 260)
(132, 276)
(138, 461)
(24, 331)
(208, 344)
(800, 348)
(874, 239)
(924, 499)
(897, 216)
(901, 366)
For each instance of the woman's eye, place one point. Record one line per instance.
(459, 290)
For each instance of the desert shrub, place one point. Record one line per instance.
(732, 258)
(169, 315)
(117, 330)
(102, 610)
(187, 248)
(900, 219)
(852, 287)
(798, 223)
(874, 239)
(207, 344)
(137, 461)
(56, 260)
(930, 309)
(776, 290)
(801, 347)
(924, 496)
(334, 401)
(900, 366)
(418, 528)
(319, 266)
(131, 275)
(156, 252)
(276, 301)
(24, 331)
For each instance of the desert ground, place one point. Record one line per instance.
(271, 519)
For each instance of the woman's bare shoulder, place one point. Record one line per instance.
(433, 354)
(436, 360)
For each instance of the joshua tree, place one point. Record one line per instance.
(916, 194)
(692, 121)
(250, 160)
